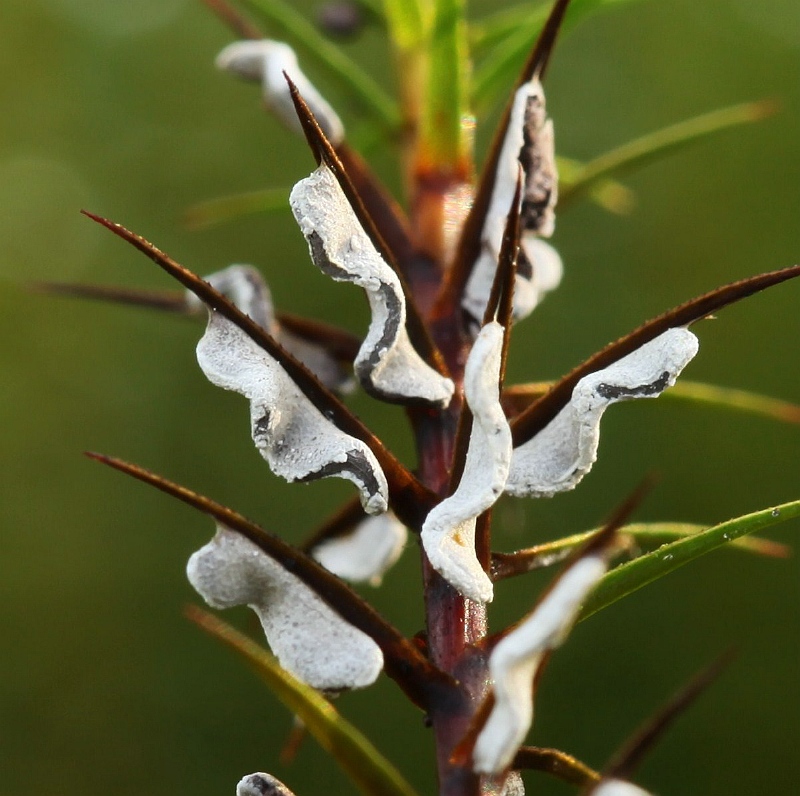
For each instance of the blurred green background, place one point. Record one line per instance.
(116, 107)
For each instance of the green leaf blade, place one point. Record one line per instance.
(632, 576)
(652, 146)
(369, 770)
(224, 209)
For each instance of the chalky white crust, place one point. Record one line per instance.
(309, 639)
(529, 149)
(514, 661)
(246, 288)
(367, 552)
(387, 364)
(260, 784)
(265, 62)
(448, 534)
(617, 787)
(298, 442)
(560, 455)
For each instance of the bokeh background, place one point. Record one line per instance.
(116, 107)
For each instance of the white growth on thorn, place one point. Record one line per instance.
(298, 442)
(387, 364)
(448, 534)
(561, 454)
(617, 787)
(516, 658)
(367, 552)
(246, 288)
(265, 62)
(529, 145)
(261, 785)
(307, 636)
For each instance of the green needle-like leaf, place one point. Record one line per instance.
(495, 28)
(229, 208)
(641, 151)
(630, 577)
(512, 33)
(369, 770)
(645, 534)
(445, 135)
(609, 194)
(407, 22)
(302, 34)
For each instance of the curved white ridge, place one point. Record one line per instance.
(387, 364)
(260, 784)
(515, 659)
(247, 289)
(528, 149)
(560, 455)
(298, 442)
(309, 639)
(367, 552)
(264, 62)
(448, 534)
(617, 787)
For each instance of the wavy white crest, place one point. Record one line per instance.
(247, 289)
(365, 553)
(387, 364)
(309, 638)
(561, 454)
(448, 534)
(528, 149)
(298, 442)
(265, 62)
(515, 659)
(261, 785)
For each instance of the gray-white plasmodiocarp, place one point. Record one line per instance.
(260, 784)
(527, 153)
(365, 553)
(617, 787)
(246, 288)
(307, 636)
(448, 534)
(265, 62)
(560, 455)
(387, 364)
(515, 659)
(298, 442)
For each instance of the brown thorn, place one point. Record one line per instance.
(236, 21)
(416, 675)
(556, 763)
(338, 524)
(600, 542)
(323, 151)
(169, 301)
(628, 758)
(409, 498)
(469, 244)
(339, 343)
(533, 419)
(342, 345)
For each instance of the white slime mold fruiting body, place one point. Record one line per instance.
(367, 552)
(387, 364)
(265, 62)
(448, 534)
(261, 784)
(246, 288)
(298, 442)
(528, 149)
(307, 636)
(561, 454)
(618, 787)
(515, 659)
